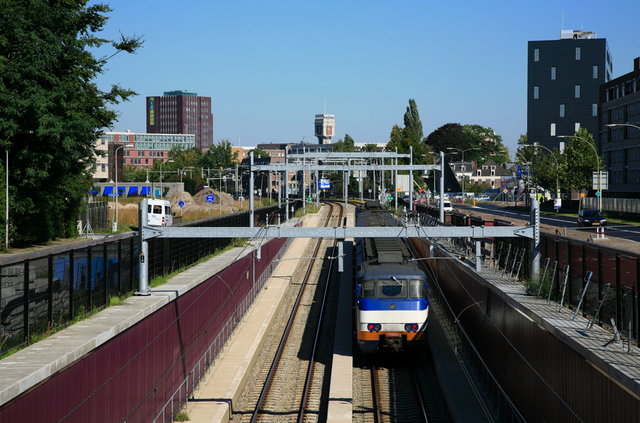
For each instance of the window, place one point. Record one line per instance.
(594, 109)
(553, 129)
(577, 91)
(595, 72)
(536, 92)
(576, 127)
(562, 110)
(553, 73)
(536, 54)
(578, 53)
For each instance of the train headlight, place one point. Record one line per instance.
(411, 327)
(374, 327)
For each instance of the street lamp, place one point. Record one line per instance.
(463, 151)
(536, 145)
(116, 194)
(599, 192)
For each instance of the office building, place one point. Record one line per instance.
(620, 145)
(147, 148)
(563, 85)
(181, 112)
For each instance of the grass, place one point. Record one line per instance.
(181, 417)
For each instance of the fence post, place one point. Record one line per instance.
(50, 290)
(535, 242)
(25, 295)
(71, 286)
(105, 276)
(89, 278)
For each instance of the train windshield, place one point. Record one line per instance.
(393, 288)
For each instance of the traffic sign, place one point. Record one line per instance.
(557, 203)
(390, 198)
(210, 198)
(181, 203)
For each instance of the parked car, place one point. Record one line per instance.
(590, 217)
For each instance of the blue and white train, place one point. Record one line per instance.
(392, 306)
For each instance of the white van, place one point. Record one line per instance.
(159, 212)
(447, 206)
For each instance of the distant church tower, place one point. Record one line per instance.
(325, 128)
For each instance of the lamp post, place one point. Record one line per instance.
(463, 151)
(6, 201)
(536, 145)
(116, 194)
(599, 192)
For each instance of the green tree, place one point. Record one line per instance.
(258, 152)
(579, 160)
(222, 155)
(448, 135)
(487, 144)
(346, 145)
(51, 110)
(412, 124)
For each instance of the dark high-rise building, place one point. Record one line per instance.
(564, 78)
(620, 133)
(181, 112)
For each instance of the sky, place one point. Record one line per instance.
(270, 66)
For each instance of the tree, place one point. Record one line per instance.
(487, 144)
(222, 155)
(51, 110)
(258, 152)
(578, 161)
(449, 135)
(412, 124)
(346, 145)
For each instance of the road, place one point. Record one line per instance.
(628, 232)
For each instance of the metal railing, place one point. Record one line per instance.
(46, 290)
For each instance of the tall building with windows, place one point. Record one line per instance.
(181, 112)
(620, 133)
(563, 85)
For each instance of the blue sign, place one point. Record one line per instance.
(324, 183)
(210, 198)
(181, 203)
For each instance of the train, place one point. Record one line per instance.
(391, 290)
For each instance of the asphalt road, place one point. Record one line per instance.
(629, 232)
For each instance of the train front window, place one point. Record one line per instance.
(369, 289)
(415, 289)
(391, 288)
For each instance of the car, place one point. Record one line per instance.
(447, 206)
(483, 198)
(590, 217)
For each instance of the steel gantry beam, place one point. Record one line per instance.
(340, 232)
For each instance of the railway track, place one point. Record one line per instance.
(291, 388)
(398, 387)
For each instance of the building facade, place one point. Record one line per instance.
(325, 128)
(181, 112)
(620, 145)
(147, 148)
(563, 85)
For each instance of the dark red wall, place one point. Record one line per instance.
(132, 376)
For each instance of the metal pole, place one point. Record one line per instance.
(251, 191)
(317, 189)
(395, 179)
(143, 260)
(442, 187)
(411, 179)
(535, 242)
(236, 179)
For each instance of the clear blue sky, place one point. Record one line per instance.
(270, 66)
